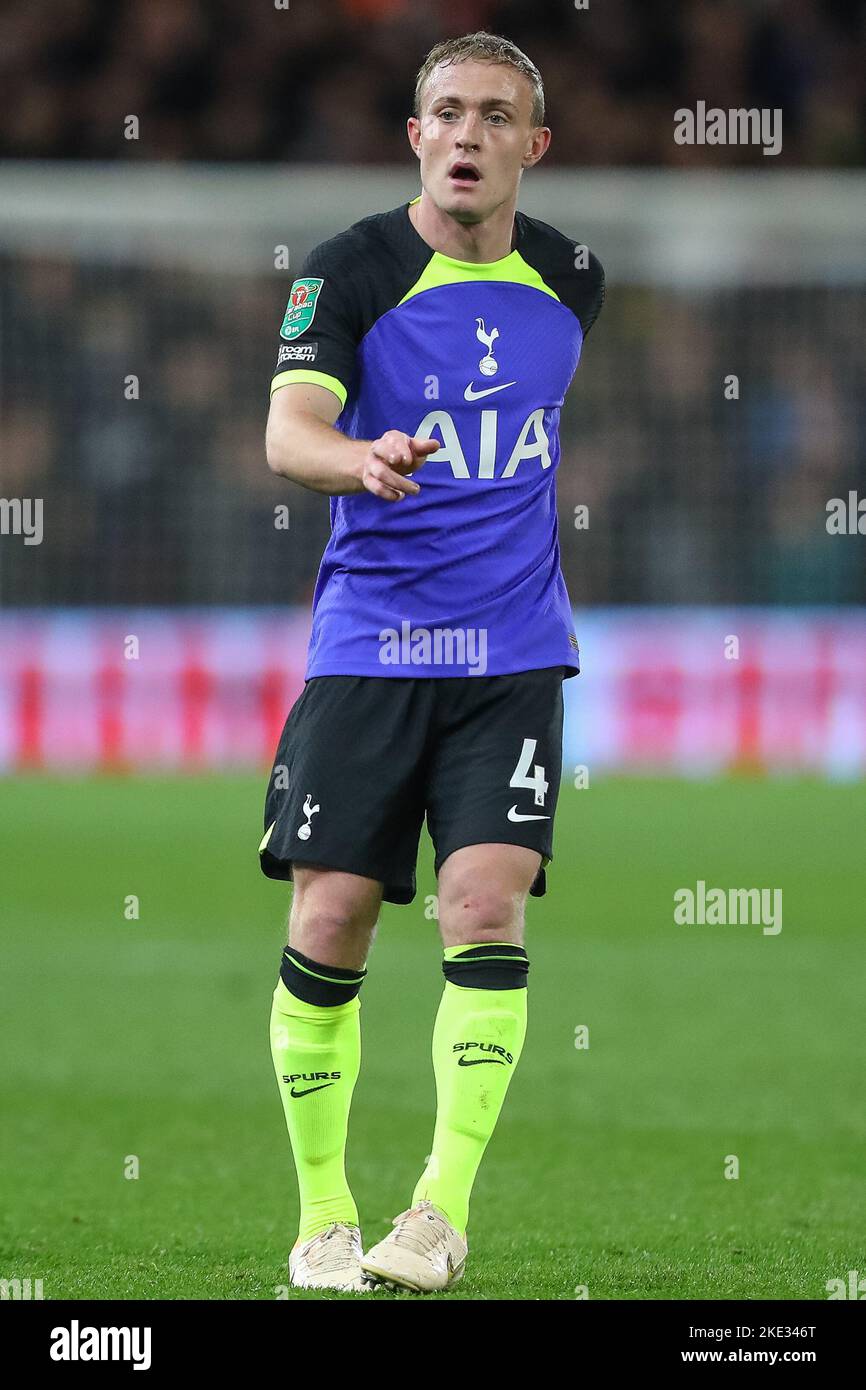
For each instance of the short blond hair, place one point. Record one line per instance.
(482, 48)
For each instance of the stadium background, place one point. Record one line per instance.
(260, 132)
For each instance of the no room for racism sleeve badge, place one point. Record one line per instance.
(301, 308)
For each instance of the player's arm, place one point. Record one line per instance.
(302, 444)
(316, 359)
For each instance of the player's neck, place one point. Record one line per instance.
(480, 242)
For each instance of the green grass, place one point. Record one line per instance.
(149, 1038)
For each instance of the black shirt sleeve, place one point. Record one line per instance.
(590, 293)
(572, 271)
(579, 281)
(320, 331)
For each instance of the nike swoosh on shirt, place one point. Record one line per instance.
(514, 814)
(471, 395)
(298, 1094)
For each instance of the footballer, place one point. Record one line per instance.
(424, 357)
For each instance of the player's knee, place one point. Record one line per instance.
(323, 923)
(482, 914)
(322, 931)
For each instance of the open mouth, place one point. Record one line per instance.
(464, 173)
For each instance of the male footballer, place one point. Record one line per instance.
(424, 359)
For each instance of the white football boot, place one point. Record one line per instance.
(330, 1260)
(423, 1252)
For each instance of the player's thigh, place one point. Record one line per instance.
(334, 915)
(494, 775)
(482, 891)
(346, 791)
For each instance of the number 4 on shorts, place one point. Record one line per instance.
(520, 776)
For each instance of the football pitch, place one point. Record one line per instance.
(139, 1045)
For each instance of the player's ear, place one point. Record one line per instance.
(537, 146)
(413, 130)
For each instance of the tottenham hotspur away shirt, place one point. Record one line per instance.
(464, 578)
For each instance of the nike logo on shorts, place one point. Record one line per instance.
(514, 814)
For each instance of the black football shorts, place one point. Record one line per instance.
(363, 759)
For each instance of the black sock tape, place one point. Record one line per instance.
(488, 967)
(326, 985)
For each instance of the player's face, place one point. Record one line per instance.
(475, 137)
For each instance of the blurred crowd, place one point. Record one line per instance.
(135, 397)
(332, 80)
(156, 489)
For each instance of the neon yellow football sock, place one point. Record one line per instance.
(477, 1042)
(317, 1057)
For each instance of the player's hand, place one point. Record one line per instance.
(390, 460)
